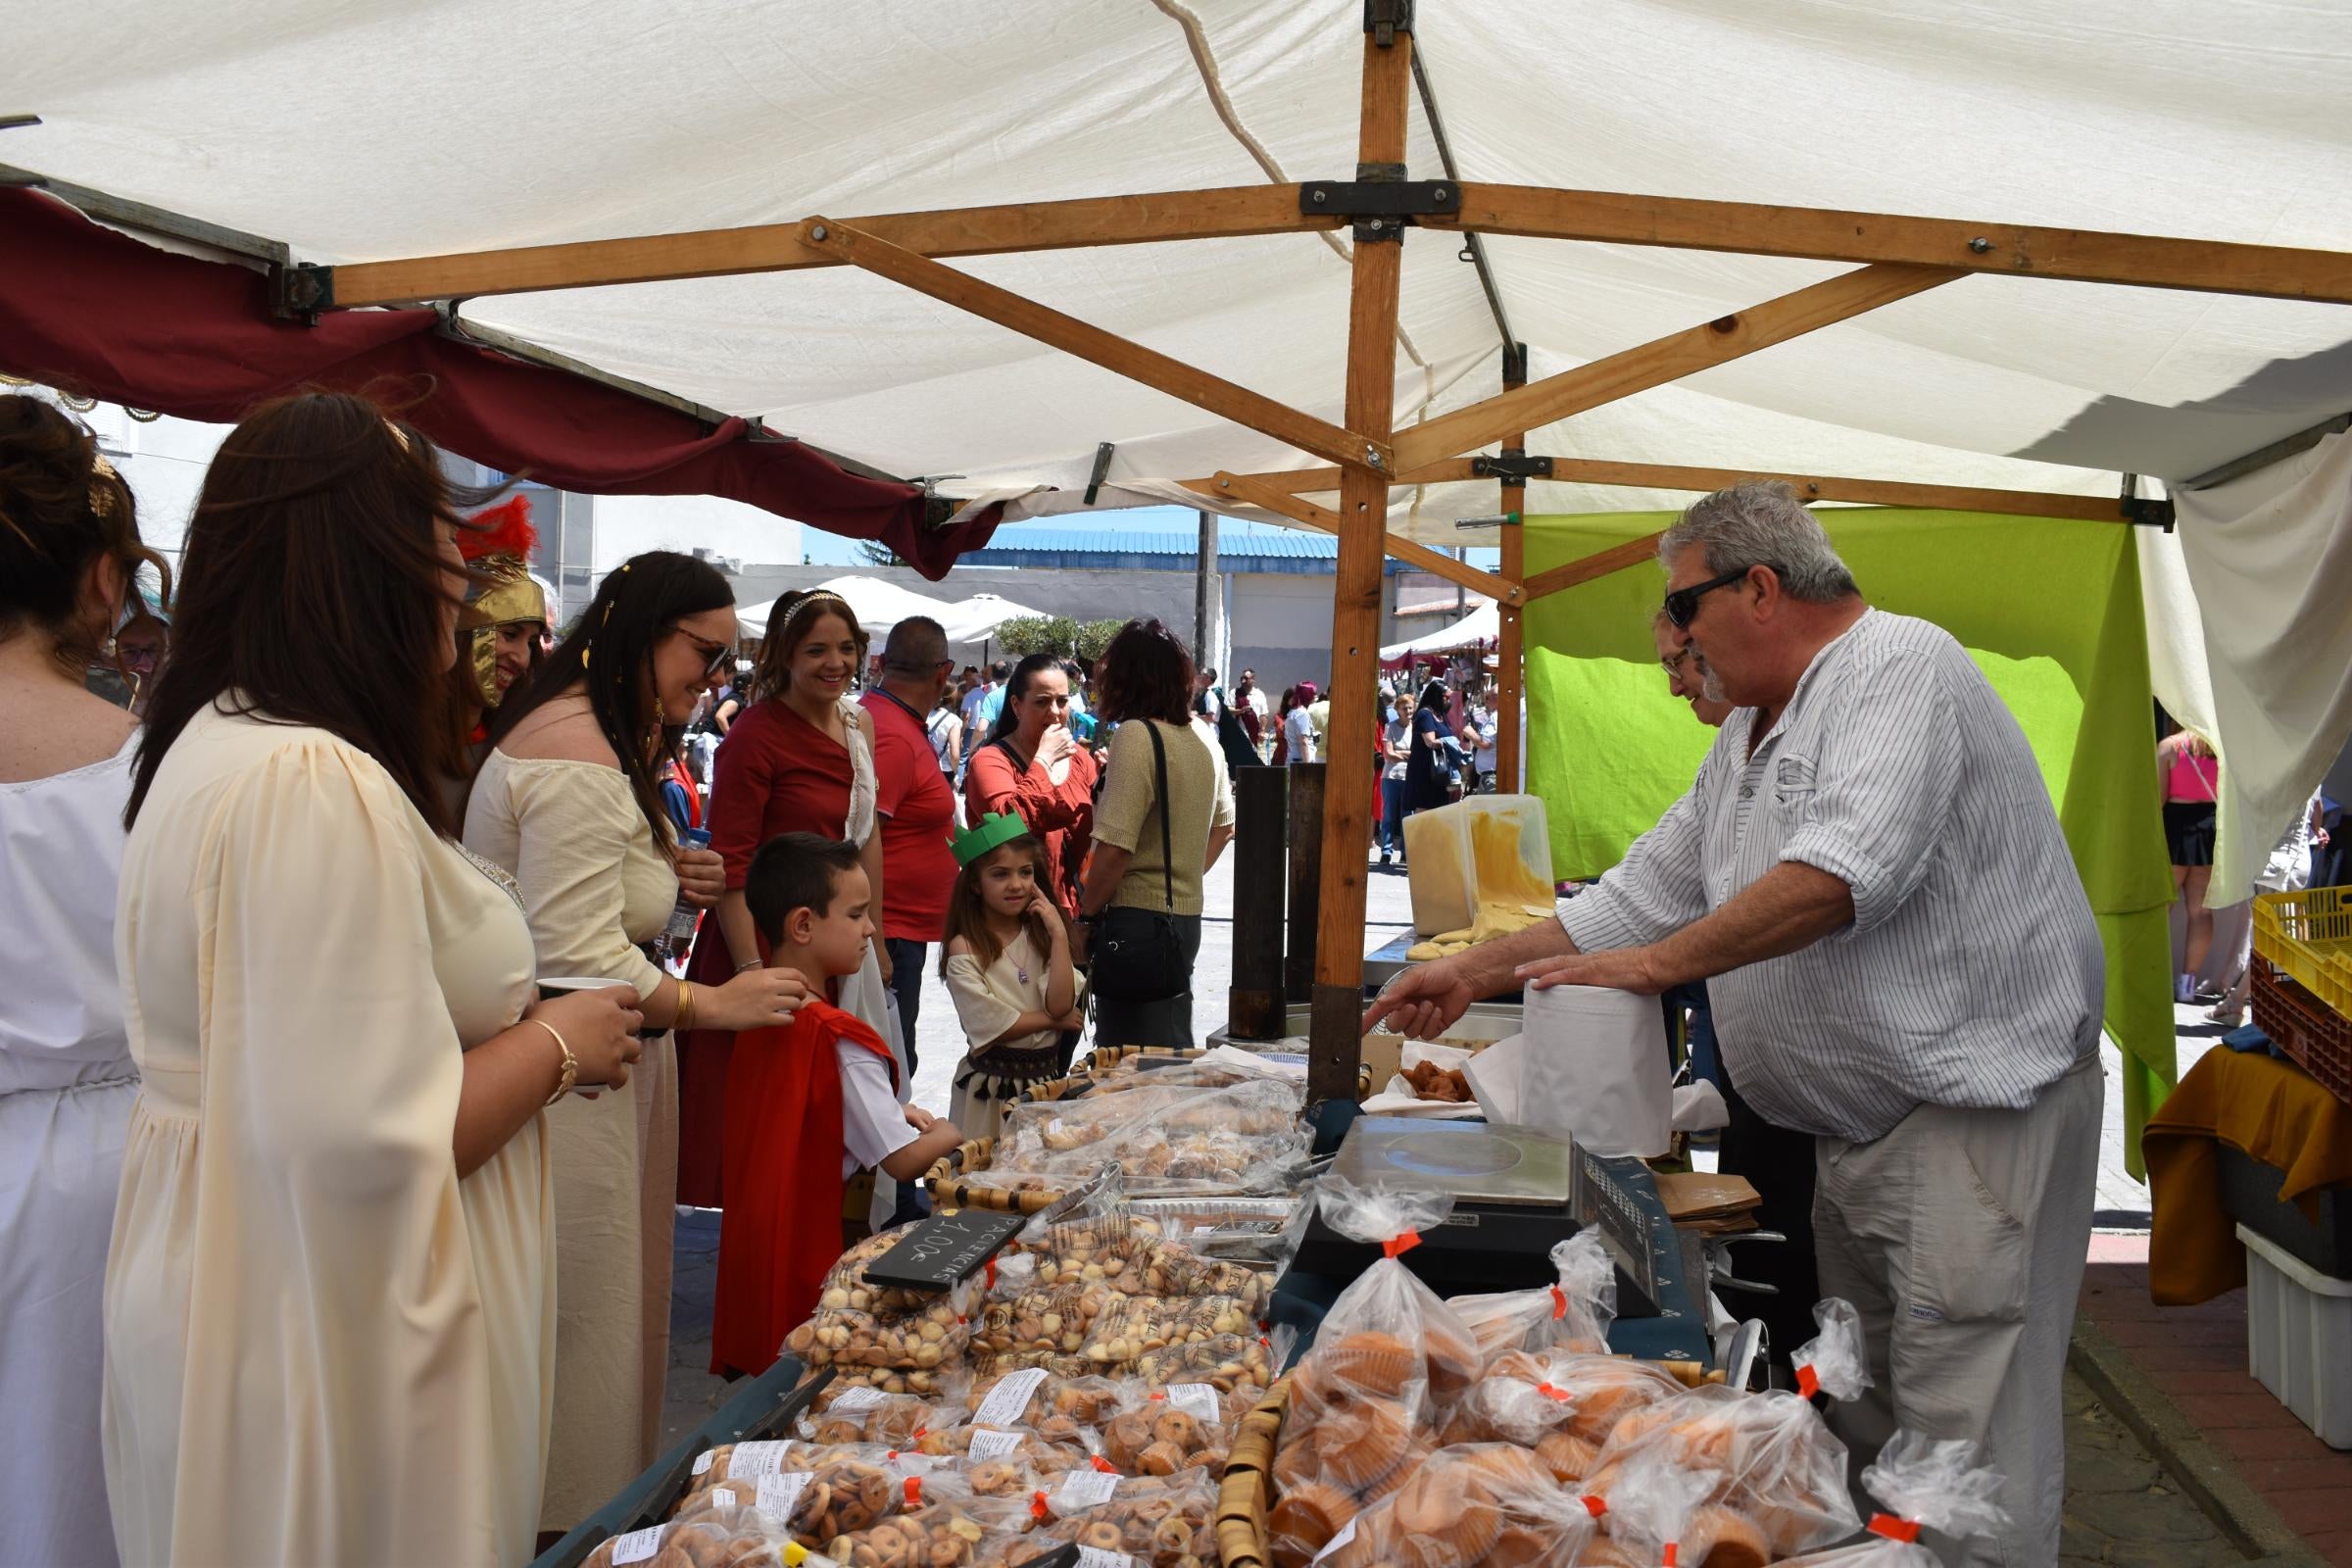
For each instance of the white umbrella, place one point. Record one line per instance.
(877, 604)
(976, 620)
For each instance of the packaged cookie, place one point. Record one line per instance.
(924, 1339)
(946, 1530)
(809, 1491)
(1155, 1522)
(725, 1538)
(1058, 1409)
(858, 1414)
(1237, 1364)
(1050, 1320)
(1130, 1327)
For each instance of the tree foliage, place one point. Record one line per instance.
(1057, 634)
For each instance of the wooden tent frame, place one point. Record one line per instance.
(1896, 258)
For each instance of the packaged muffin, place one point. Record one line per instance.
(1572, 1314)
(1774, 1461)
(1919, 1484)
(1487, 1504)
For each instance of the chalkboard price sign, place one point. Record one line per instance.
(946, 1248)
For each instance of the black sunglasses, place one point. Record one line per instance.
(1682, 605)
(716, 653)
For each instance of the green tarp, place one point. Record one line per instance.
(2050, 610)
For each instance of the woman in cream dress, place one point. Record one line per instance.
(327, 1307)
(568, 801)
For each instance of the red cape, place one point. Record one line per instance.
(782, 1226)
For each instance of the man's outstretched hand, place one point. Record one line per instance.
(1619, 968)
(1423, 1001)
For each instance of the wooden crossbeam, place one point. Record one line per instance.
(1808, 487)
(1616, 557)
(1218, 214)
(1664, 359)
(1153, 368)
(2083, 256)
(1272, 498)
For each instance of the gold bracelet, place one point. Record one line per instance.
(572, 1063)
(684, 1019)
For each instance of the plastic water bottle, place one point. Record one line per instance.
(678, 935)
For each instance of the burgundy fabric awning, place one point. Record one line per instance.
(95, 312)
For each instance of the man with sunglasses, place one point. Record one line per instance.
(1902, 963)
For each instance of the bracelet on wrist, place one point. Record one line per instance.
(684, 1019)
(750, 964)
(572, 1064)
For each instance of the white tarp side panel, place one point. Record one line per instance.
(2176, 669)
(2271, 558)
(2212, 118)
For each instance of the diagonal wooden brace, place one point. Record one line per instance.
(1257, 493)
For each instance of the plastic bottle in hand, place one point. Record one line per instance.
(678, 935)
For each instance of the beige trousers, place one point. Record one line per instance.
(1960, 1238)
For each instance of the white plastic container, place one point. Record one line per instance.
(2299, 1336)
(1495, 848)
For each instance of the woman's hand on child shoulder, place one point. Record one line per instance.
(759, 998)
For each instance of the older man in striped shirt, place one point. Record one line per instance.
(1902, 963)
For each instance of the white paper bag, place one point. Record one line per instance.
(1493, 1078)
(1595, 1069)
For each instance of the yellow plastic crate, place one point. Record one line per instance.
(2309, 935)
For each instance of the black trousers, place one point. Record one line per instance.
(1779, 1164)
(906, 985)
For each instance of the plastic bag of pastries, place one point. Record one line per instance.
(1230, 1363)
(1919, 1484)
(1162, 1432)
(945, 1527)
(1572, 1314)
(1836, 1360)
(996, 1462)
(1663, 1510)
(1045, 1321)
(845, 1287)
(1154, 1521)
(1130, 1327)
(924, 1339)
(1486, 1503)
(824, 1490)
(1516, 1400)
(723, 1537)
(859, 1413)
(1777, 1464)
(1388, 1336)
(1058, 1409)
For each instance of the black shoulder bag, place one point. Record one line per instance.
(1141, 960)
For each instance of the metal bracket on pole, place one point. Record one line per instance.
(1514, 463)
(1384, 19)
(1380, 201)
(302, 290)
(1094, 481)
(2144, 512)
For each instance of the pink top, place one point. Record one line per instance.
(2191, 779)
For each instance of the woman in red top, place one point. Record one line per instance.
(1031, 768)
(797, 759)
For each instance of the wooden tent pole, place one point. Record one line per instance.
(1335, 1033)
(1509, 670)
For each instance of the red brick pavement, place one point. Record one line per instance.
(2197, 1357)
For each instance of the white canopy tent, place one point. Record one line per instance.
(1481, 628)
(352, 139)
(976, 620)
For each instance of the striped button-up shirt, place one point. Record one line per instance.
(1971, 974)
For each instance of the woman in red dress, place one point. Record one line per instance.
(1031, 767)
(797, 759)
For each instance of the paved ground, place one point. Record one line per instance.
(2121, 1508)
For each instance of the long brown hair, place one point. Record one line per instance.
(63, 508)
(1145, 673)
(311, 588)
(968, 910)
(610, 651)
(793, 617)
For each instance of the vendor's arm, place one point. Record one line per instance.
(1426, 999)
(1793, 905)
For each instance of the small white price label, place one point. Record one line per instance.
(858, 1399)
(723, 1498)
(1196, 1400)
(1007, 1401)
(701, 1462)
(637, 1545)
(755, 1459)
(990, 1445)
(1346, 1534)
(780, 1493)
(1083, 1489)
(1096, 1557)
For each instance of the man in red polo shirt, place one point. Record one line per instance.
(916, 807)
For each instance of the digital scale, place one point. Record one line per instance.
(1519, 1191)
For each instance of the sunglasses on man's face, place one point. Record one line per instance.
(1682, 605)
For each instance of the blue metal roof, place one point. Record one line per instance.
(1039, 540)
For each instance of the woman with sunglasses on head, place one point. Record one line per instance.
(568, 798)
(799, 760)
(329, 1310)
(70, 558)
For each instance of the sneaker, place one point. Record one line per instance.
(2183, 986)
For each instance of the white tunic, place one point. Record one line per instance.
(66, 1087)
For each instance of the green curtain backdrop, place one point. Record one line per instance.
(2049, 608)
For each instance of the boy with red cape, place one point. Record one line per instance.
(808, 1107)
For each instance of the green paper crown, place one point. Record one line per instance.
(992, 830)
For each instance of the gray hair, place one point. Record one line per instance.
(915, 646)
(1762, 523)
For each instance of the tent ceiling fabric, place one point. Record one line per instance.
(365, 132)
